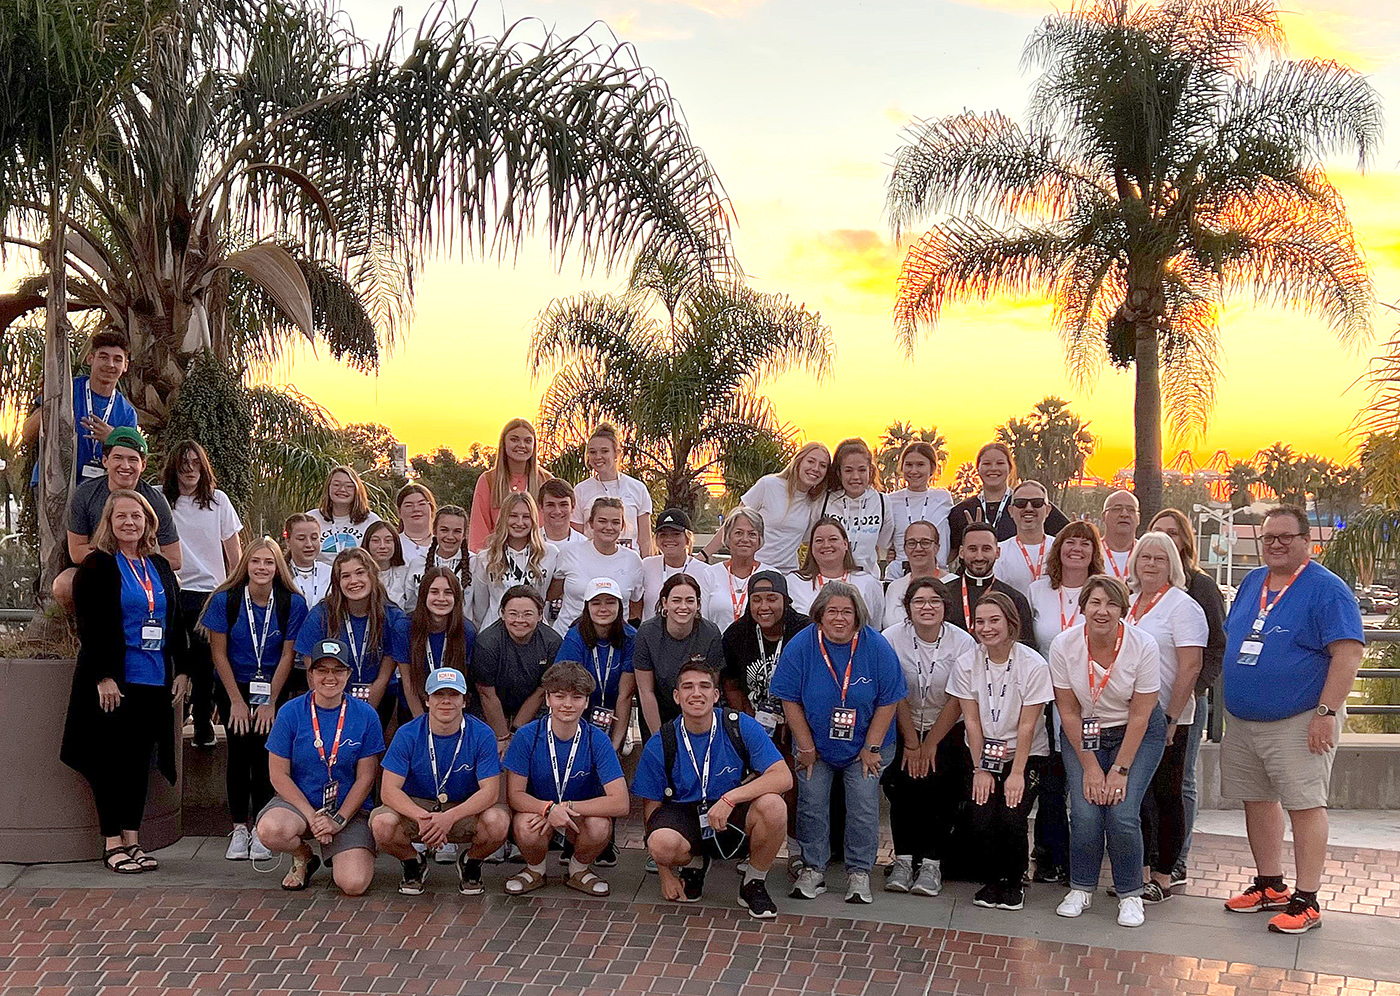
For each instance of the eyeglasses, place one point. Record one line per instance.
(919, 544)
(925, 603)
(1278, 539)
(1027, 502)
(336, 672)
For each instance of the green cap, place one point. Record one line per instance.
(125, 435)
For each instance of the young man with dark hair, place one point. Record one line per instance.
(977, 557)
(98, 407)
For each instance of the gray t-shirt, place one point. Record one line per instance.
(661, 654)
(91, 498)
(514, 670)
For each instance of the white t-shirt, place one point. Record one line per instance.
(1050, 606)
(1176, 620)
(726, 597)
(804, 592)
(1024, 680)
(869, 526)
(894, 598)
(905, 507)
(1012, 566)
(927, 667)
(654, 575)
(202, 533)
(786, 520)
(312, 581)
(340, 533)
(1116, 562)
(636, 501)
(1137, 668)
(580, 563)
(558, 545)
(486, 594)
(412, 550)
(394, 581)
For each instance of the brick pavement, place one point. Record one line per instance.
(182, 942)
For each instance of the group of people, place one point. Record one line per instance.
(832, 656)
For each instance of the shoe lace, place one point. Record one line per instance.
(1297, 906)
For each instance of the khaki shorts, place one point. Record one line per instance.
(462, 832)
(1270, 762)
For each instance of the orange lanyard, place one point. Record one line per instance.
(316, 732)
(1096, 693)
(1037, 567)
(739, 599)
(841, 684)
(1137, 603)
(144, 580)
(1066, 621)
(1266, 606)
(1113, 565)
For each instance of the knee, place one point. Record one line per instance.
(523, 833)
(353, 877)
(63, 589)
(594, 829)
(668, 848)
(769, 812)
(278, 832)
(493, 824)
(1123, 819)
(384, 826)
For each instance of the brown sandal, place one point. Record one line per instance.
(589, 884)
(524, 881)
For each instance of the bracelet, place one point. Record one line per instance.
(913, 746)
(547, 807)
(807, 750)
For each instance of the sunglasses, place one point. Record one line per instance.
(1027, 502)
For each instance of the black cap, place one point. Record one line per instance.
(672, 518)
(332, 650)
(769, 581)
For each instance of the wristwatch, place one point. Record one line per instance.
(1121, 770)
(338, 819)
(1324, 710)
(873, 748)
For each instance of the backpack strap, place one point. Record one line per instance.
(282, 602)
(233, 602)
(668, 755)
(730, 719)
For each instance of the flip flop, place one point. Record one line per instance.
(524, 881)
(589, 884)
(126, 866)
(312, 863)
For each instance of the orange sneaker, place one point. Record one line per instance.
(1259, 899)
(1300, 917)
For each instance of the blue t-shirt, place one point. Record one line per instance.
(89, 450)
(595, 764)
(477, 759)
(604, 657)
(1317, 609)
(393, 639)
(726, 767)
(876, 680)
(293, 737)
(435, 644)
(241, 656)
(143, 667)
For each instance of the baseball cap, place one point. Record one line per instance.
(768, 581)
(446, 677)
(125, 435)
(672, 518)
(601, 586)
(335, 650)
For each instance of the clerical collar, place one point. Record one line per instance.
(979, 582)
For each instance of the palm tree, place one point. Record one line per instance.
(1156, 175)
(1051, 445)
(1240, 479)
(898, 435)
(1278, 470)
(966, 483)
(677, 362)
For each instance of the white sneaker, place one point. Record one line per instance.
(1130, 912)
(257, 850)
(238, 844)
(1075, 903)
(858, 888)
(446, 854)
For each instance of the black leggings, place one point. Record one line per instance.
(1001, 829)
(247, 781)
(1163, 808)
(122, 772)
(922, 810)
(200, 662)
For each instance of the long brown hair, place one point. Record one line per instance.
(359, 506)
(454, 643)
(337, 612)
(464, 567)
(616, 633)
(498, 477)
(395, 558)
(1082, 529)
(204, 490)
(808, 571)
(844, 449)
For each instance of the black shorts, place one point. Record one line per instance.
(684, 818)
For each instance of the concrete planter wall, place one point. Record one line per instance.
(47, 812)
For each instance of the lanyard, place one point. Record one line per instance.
(440, 783)
(357, 653)
(1039, 565)
(1266, 606)
(316, 732)
(841, 684)
(1113, 564)
(562, 781)
(1001, 507)
(1096, 693)
(111, 401)
(702, 774)
(1152, 602)
(999, 709)
(923, 509)
(777, 651)
(1067, 621)
(603, 671)
(919, 663)
(739, 599)
(428, 649)
(259, 642)
(819, 582)
(144, 579)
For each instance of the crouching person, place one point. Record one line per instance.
(713, 783)
(563, 779)
(440, 784)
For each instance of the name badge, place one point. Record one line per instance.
(602, 718)
(993, 756)
(360, 692)
(1089, 735)
(1250, 651)
(152, 635)
(329, 795)
(705, 829)
(91, 470)
(259, 693)
(767, 718)
(843, 724)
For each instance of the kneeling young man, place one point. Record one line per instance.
(563, 777)
(714, 787)
(440, 784)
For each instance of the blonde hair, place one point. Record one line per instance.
(793, 479)
(338, 610)
(493, 558)
(1163, 542)
(498, 477)
(106, 541)
(359, 507)
(238, 577)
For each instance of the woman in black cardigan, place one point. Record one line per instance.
(131, 672)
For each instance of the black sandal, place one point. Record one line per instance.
(312, 863)
(126, 866)
(143, 860)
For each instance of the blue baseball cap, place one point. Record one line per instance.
(446, 677)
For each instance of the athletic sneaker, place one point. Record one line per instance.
(1180, 876)
(1075, 903)
(1011, 897)
(239, 842)
(988, 896)
(930, 880)
(1154, 893)
(650, 865)
(607, 858)
(257, 850)
(446, 854)
(809, 885)
(693, 880)
(1130, 912)
(498, 856)
(858, 888)
(1301, 916)
(1259, 899)
(753, 896)
(1051, 873)
(901, 875)
(414, 872)
(469, 875)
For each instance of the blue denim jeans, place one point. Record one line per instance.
(1194, 737)
(862, 841)
(1120, 824)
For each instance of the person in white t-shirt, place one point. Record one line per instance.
(600, 557)
(829, 559)
(515, 554)
(917, 502)
(1162, 607)
(674, 539)
(557, 503)
(301, 541)
(921, 552)
(208, 528)
(1120, 525)
(343, 514)
(447, 549)
(607, 481)
(1107, 675)
(725, 599)
(854, 501)
(788, 501)
(382, 543)
(417, 508)
(926, 782)
(1003, 687)
(1022, 559)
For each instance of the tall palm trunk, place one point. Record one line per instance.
(1147, 421)
(56, 472)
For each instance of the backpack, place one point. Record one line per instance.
(281, 603)
(729, 719)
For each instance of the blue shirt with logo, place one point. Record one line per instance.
(726, 767)
(89, 450)
(595, 764)
(476, 760)
(143, 667)
(240, 647)
(293, 737)
(1317, 609)
(603, 657)
(393, 640)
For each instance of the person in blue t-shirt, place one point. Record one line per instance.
(440, 785)
(602, 643)
(563, 778)
(1293, 645)
(323, 758)
(706, 798)
(839, 682)
(252, 621)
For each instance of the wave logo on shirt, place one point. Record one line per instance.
(464, 766)
(862, 680)
(728, 769)
(351, 743)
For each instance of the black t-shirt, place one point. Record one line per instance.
(999, 516)
(749, 664)
(514, 670)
